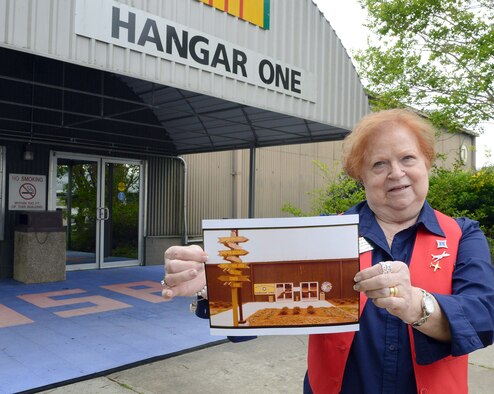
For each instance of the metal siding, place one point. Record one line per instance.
(283, 174)
(287, 175)
(450, 144)
(165, 197)
(244, 176)
(297, 35)
(210, 188)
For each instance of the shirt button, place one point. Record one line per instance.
(392, 347)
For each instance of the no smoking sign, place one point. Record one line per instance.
(27, 192)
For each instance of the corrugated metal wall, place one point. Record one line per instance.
(284, 174)
(287, 174)
(210, 185)
(218, 183)
(449, 145)
(165, 197)
(299, 35)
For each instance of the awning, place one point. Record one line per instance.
(53, 102)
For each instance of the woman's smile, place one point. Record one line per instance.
(397, 189)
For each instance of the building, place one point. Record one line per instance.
(109, 110)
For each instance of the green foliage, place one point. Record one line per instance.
(434, 55)
(455, 192)
(340, 193)
(125, 226)
(458, 192)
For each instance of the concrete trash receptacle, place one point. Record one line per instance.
(39, 247)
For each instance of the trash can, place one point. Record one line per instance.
(39, 247)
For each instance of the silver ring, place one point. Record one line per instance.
(386, 267)
(164, 284)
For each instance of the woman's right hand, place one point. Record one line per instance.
(184, 271)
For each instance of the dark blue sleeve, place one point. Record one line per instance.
(470, 307)
(202, 308)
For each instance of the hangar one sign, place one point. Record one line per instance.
(129, 27)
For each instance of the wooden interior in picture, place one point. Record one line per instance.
(288, 281)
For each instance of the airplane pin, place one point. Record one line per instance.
(436, 259)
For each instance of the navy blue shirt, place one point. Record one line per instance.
(380, 359)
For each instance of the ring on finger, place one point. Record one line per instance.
(386, 267)
(164, 284)
(393, 291)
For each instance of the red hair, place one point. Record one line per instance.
(356, 143)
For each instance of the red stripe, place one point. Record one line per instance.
(241, 11)
(226, 5)
(210, 2)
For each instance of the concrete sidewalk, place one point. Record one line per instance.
(274, 364)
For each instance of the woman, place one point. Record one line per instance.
(428, 276)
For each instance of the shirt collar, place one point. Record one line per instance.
(428, 218)
(368, 222)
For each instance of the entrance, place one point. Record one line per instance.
(101, 200)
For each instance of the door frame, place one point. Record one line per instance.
(100, 195)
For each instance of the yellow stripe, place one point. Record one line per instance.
(219, 4)
(253, 10)
(234, 7)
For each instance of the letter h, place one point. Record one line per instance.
(117, 23)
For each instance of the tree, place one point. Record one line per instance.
(434, 55)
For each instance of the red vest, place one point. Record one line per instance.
(328, 353)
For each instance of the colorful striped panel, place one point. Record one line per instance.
(253, 11)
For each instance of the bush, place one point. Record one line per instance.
(459, 192)
(455, 192)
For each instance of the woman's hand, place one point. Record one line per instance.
(388, 286)
(185, 274)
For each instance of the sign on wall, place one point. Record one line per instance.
(253, 11)
(27, 192)
(132, 28)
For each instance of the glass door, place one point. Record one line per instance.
(120, 212)
(77, 182)
(101, 201)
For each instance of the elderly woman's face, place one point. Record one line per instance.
(395, 175)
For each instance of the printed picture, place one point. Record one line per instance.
(283, 275)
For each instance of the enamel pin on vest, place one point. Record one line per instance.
(436, 258)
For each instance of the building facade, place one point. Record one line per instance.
(136, 119)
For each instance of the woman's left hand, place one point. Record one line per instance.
(388, 285)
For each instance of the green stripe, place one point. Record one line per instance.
(266, 14)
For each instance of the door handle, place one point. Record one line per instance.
(102, 213)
